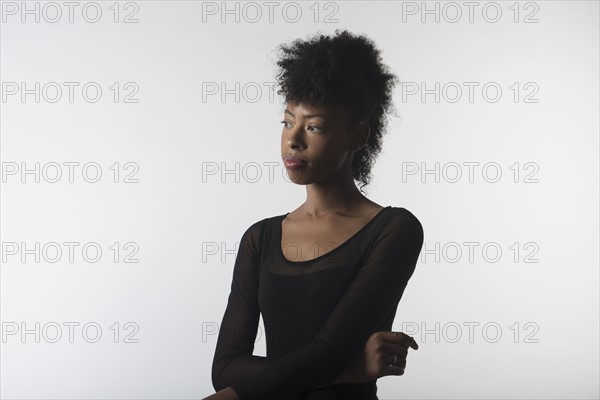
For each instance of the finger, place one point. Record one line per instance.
(395, 359)
(399, 360)
(414, 344)
(410, 341)
(402, 338)
(393, 337)
(388, 336)
(394, 348)
(392, 370)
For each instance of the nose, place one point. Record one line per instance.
(294, 137)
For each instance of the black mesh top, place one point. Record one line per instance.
(317, 314)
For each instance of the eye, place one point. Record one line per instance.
(310, 127)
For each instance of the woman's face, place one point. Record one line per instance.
(324, 137)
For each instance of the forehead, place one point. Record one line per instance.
(308, 110)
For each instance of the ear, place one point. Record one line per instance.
(362, 136)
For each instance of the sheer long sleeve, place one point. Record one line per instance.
(233, 359)
(374, 292)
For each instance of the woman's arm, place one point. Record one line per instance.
(372, 295)
(233, 359)
(367, 364)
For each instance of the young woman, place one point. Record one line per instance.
(328, 276)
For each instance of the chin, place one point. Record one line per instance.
(303, 176)
(299, 180)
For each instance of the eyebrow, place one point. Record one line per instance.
(306, 116)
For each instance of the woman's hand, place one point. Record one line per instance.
(377, 357)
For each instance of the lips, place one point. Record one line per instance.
(294, 159)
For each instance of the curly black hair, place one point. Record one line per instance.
(345, 69)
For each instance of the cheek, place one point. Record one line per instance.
(284, 140)
(330, 154)
(334, 146)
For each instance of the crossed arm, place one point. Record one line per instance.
(375, 291)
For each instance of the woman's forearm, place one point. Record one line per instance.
(342, 378)
(229, 394)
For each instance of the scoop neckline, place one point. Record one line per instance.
(304, 262)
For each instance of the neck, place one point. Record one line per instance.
(332, 196)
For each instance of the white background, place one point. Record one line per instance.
(186, 222)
